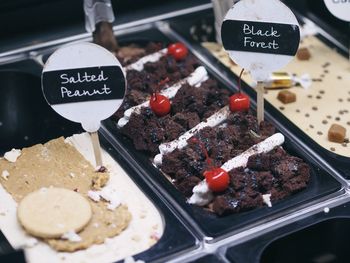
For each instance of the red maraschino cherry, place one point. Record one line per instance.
(178, 50)
(239, 101)
(160, 104)
(216, 177)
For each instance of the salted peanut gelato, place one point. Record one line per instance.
(59, 164)
(318, 107)
(123, 220)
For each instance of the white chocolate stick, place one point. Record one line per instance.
(201, 193)
(195, 78)
(214, 120)
(260, 101)
(138, 65)
(262, 147)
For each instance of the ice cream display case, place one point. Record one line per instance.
(157, 199)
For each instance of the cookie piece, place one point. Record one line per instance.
(51, 212)
(336, 133)
(286, 96)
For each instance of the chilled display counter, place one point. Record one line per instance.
(284, 181)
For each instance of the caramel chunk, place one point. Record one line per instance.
(336, 133)
(286, 96)
(303, 54)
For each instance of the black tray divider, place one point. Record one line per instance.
(153, 184)
(177, 238)
(252, 249)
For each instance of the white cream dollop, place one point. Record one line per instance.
(202, 195)
(267, 199)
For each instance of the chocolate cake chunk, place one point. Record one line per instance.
(173, 129)
(188, 120)
(259, 162)
(222, 144)
(187, 184)
(146, 81)
(266, 129)
(204, 100)
(276, 173)
(145, 130)
(189, 107)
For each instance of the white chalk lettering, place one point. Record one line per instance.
(250, 32)
(81, 78)
(66, 93)
(247, 30)
(264, 45)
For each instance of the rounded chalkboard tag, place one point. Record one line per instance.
(84, 83)
(339, 8)
(260, 36)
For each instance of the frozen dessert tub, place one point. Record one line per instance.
(317, 107)
(26, 120)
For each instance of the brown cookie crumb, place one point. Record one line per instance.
(101, 169)
(303, 54)
(336, 133)
(286, 96)
(99, 180)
